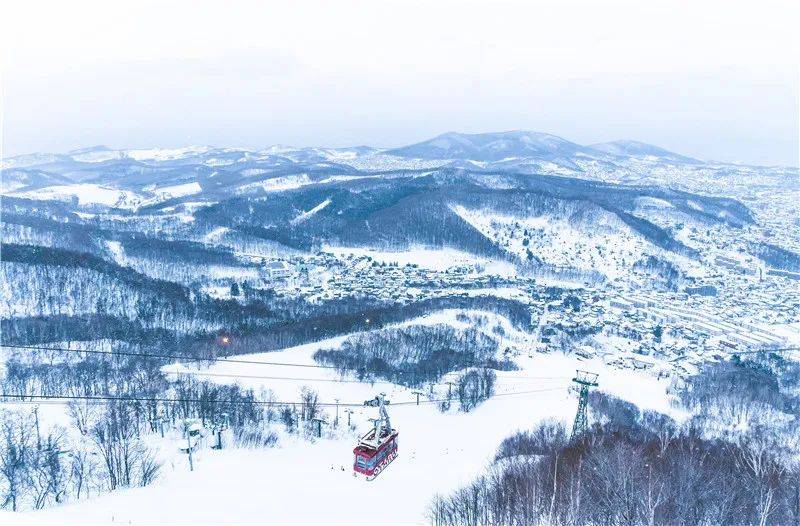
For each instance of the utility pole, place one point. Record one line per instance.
(449, 394)
(417, 393)
(584, 380)
(319, 422)
(349, 413)
(336, 420)
(189, 450)
(217, 430)
(38, 435)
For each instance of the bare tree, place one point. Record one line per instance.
(309, 404)
(82, 471)
(47, 475)
(83, 415)
(17, 448)
(757, 463)
(126, 459)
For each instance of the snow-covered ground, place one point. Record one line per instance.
(302, 482)
(430, 258)
(216, 234)
(165, 154)
(94, 194)
(178, 190)
(117, 252)
(277, 184)
(305, 215)
(602, 242)
(86, 193)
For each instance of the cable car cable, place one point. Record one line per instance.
(229, 360)
(9, 398)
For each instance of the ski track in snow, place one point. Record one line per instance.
(305, 215)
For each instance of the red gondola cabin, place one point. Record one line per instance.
(378, 447)
(369, 460)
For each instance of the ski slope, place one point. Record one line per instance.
(303, 482)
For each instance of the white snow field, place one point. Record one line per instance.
(429, 258)
(178, 190)
(305, 215)
(86, 193)
(303, 482)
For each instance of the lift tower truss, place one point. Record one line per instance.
(584, 380)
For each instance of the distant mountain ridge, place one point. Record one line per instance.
(491, 147)
(144, 177)
(636, 148)
(484, 147)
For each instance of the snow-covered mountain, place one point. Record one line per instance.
(517, 252)
(624, 148)
(147, 174)
(491, 147)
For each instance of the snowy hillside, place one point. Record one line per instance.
(640, 149)
(594, 241)
(430, 460)
(490, 147)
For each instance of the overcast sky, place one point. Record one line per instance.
(714, 80)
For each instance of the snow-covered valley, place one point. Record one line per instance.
(155, 298)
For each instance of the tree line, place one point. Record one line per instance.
(412, 355)
(652, 473)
